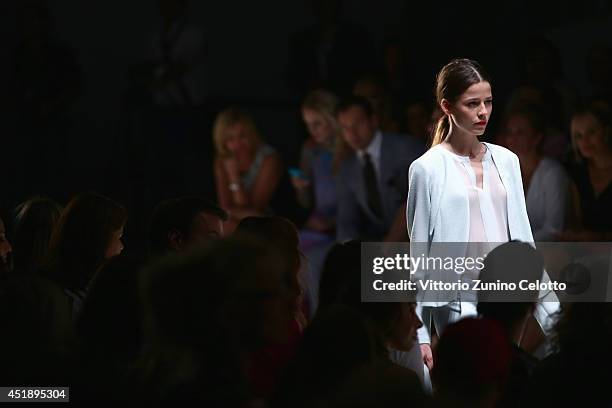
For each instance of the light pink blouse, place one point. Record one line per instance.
(488, 205)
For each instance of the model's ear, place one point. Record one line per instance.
(445, 106)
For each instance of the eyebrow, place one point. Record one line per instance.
(477, 99)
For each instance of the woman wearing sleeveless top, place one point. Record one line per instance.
(249, 174)
(461, 189)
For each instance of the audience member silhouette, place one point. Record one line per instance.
(546, 184)
(266, 364)
(88, 232)
(110, 330)
(512, 262)
(39, 347)
(592, 172)
(206, 313)
(372, 181)
(574, 376)
(394, 324)
(373, 89)
(181, 223)
(250, 175)
(32, 228)
(473, 361)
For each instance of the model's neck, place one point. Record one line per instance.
(463, 143)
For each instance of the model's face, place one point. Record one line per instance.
(520, 136)
(357, 127)
(116, 245)
(472, 110)
(5, 245)
(589, 135)
(237, 141)
(319, 127)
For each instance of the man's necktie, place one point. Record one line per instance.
(369, 178)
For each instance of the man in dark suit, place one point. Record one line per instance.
(373, 179)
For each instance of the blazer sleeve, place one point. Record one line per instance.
(519, 194)
(418, 206)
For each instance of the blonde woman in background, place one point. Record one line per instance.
(248, 173)
(315, 182)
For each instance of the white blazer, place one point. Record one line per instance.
(431, 216)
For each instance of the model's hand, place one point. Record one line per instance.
(427, 355)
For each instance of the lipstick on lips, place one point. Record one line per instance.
(481, 123)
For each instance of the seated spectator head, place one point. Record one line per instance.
(358, 122)
(335, 345)
(88, 232)
(524, 130)
(473, 361)
(510, 262)
(591, 130)
(372, 88)
(280, 235)
(233, 287)
(235, 134)
(206, 311)
(394, 323)
(180, 223)
(5, 250)
(32, 227)
(453, 82)
(318, 111)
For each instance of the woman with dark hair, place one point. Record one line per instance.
(463, 190)
(278, 234)
(32, 227)
(88, 233)
(592, 173)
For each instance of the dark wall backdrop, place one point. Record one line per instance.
(245, 63)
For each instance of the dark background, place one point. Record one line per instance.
(98, 145)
